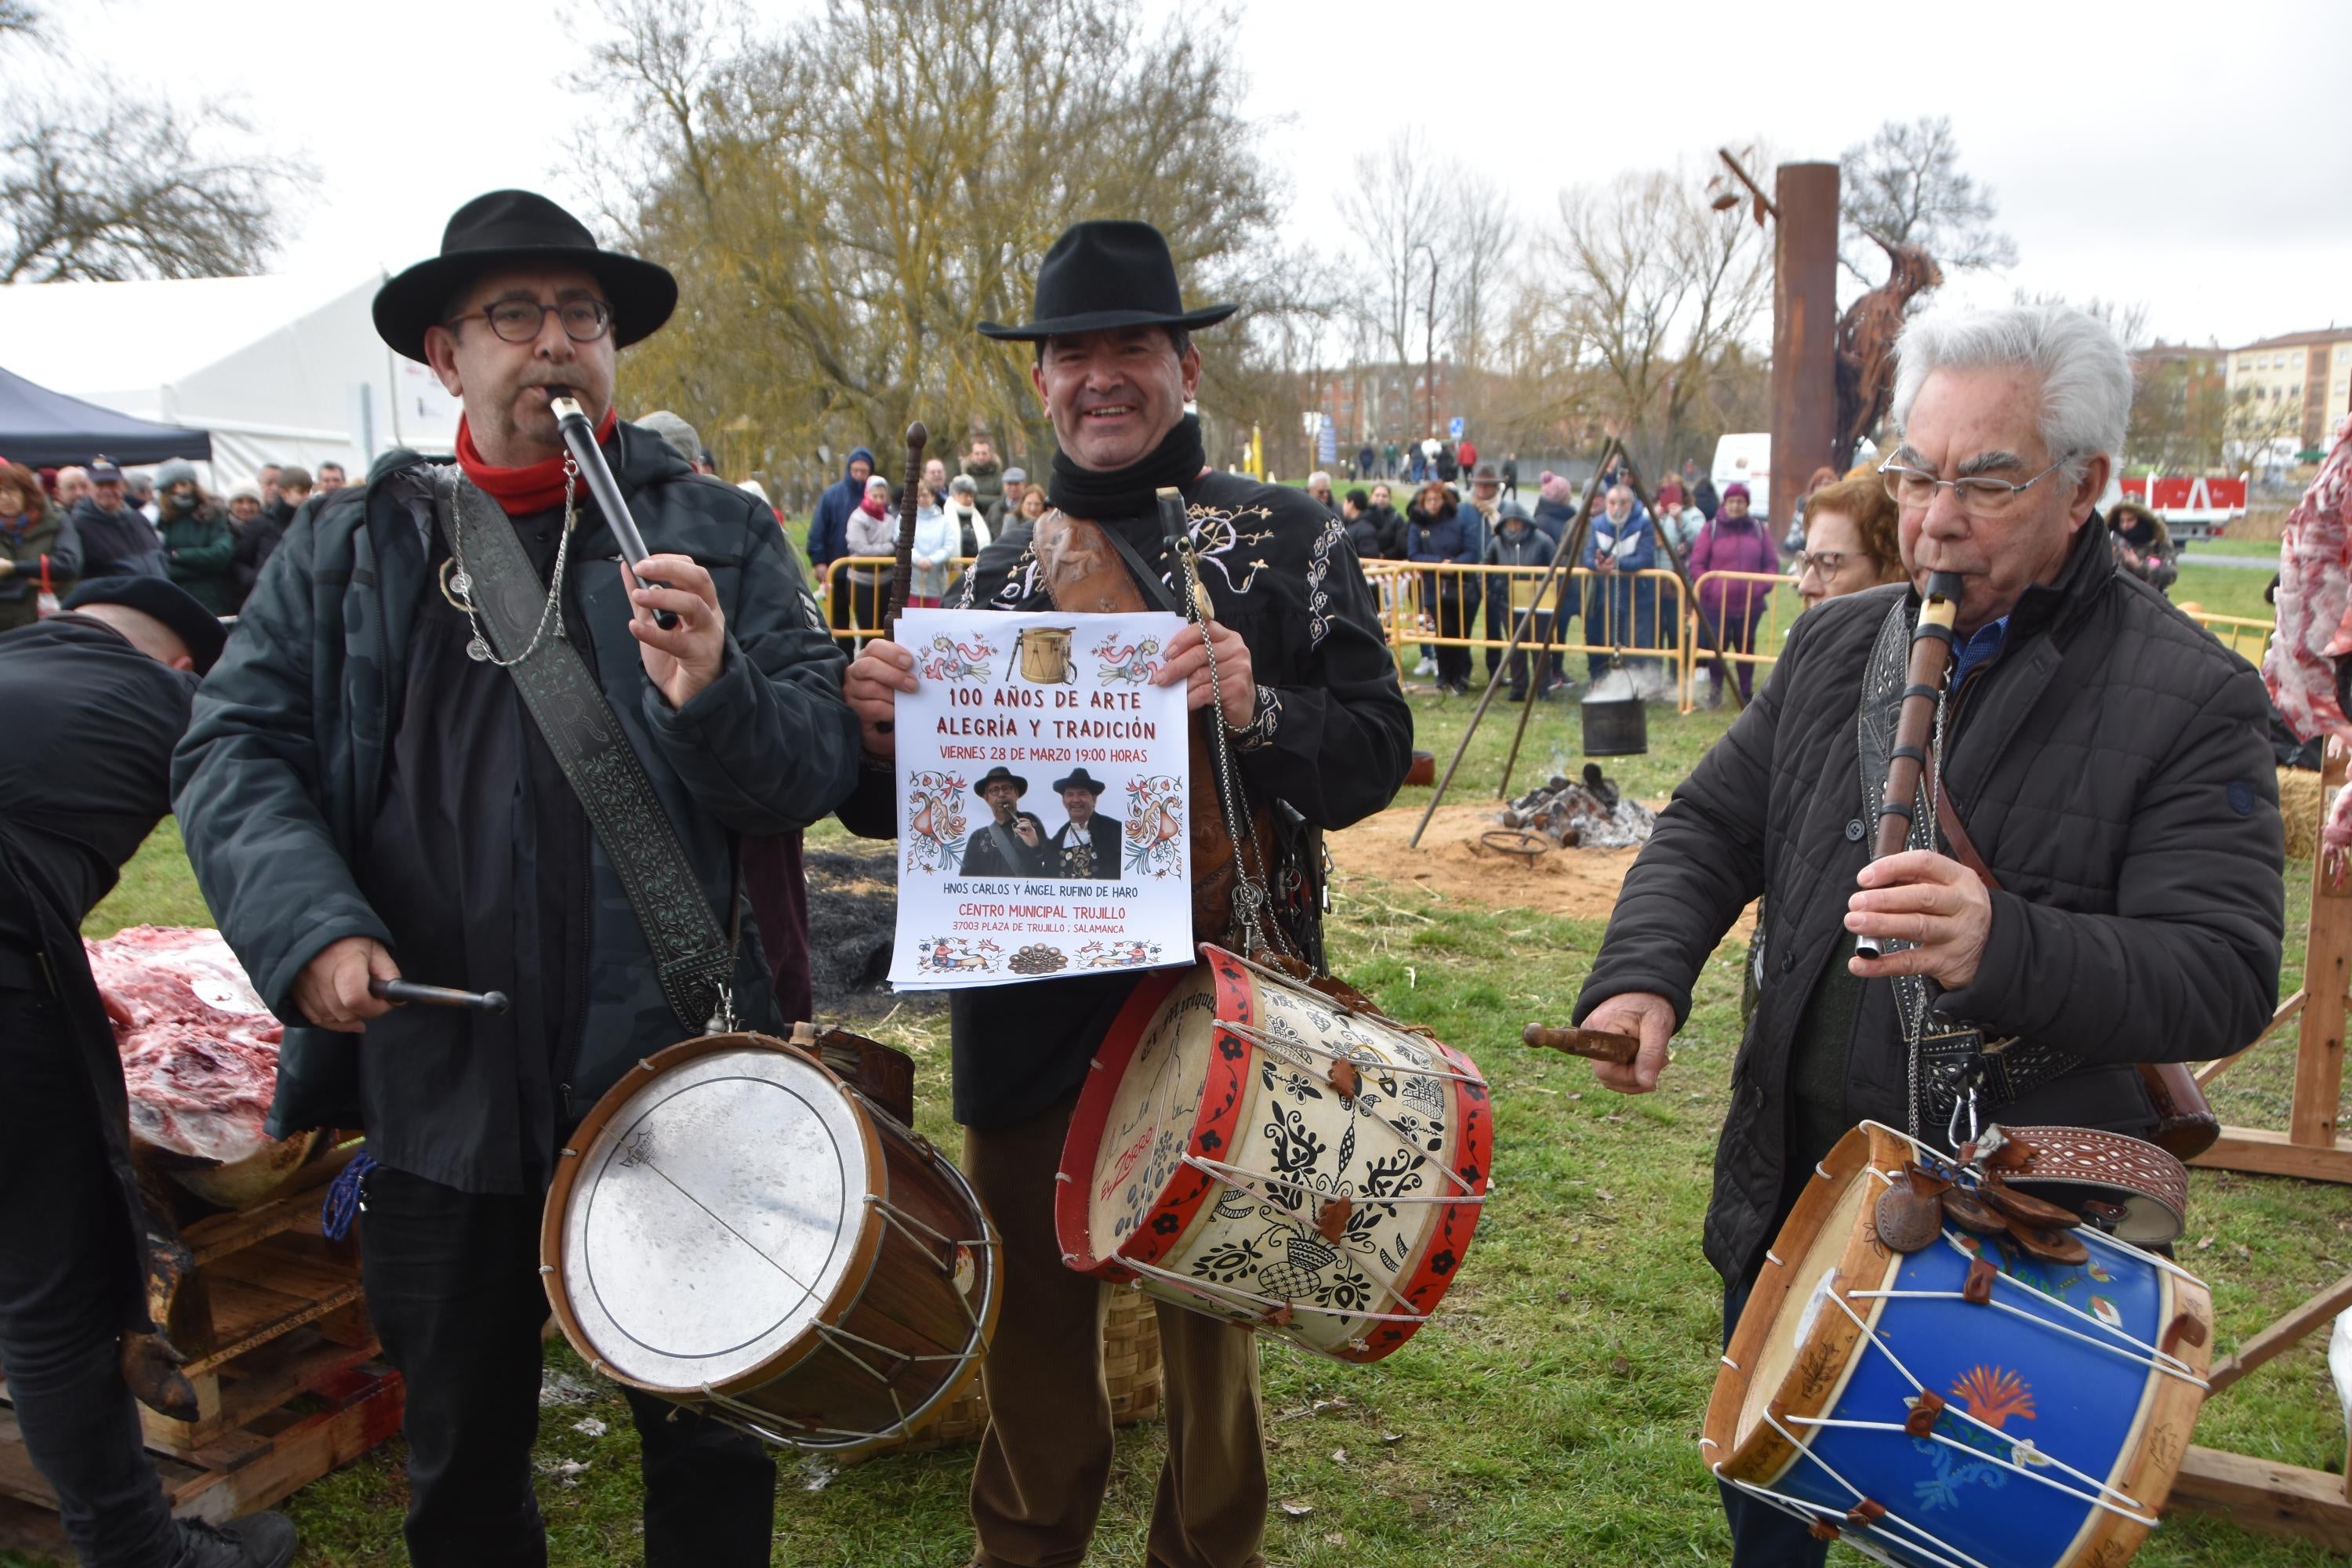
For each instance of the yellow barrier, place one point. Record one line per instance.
(855, 609)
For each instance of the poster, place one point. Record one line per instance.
(1044, 800)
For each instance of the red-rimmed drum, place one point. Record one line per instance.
(1253, 1148)
(736, 1228)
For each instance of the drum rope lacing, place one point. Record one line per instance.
(1927, 1544)
(1233, 1177)
(1210, 1289)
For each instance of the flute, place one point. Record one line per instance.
(580, 437)
(1931, 659)
(902, 571)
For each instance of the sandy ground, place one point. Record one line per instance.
(1580, 884)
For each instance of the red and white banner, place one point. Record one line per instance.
(2199, 499)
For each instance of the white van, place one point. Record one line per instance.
(1747, 459)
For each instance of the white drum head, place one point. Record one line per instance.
(713, 1218)
(1150, 1124)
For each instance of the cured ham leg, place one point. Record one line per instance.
(2315, 627)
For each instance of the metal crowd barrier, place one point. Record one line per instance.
(861, 616)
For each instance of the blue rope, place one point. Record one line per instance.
(342, 1205)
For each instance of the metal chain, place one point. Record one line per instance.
(462, 585)
(1250, 895)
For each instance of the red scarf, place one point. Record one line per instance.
(535, 487)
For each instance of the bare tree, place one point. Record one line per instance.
(1905, 185)
(1653, 291)
(20, 18)
(120, 186)
(1482, 247)
(1396, 221)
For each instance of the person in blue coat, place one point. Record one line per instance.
(1619, 612)
(1436, 533)
(829, 531)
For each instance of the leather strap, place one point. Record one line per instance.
(693, 957)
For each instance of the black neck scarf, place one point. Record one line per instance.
(1130, 492)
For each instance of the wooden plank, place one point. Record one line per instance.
(259, 1381)
(2272, 1153)
(2265, 1497)
(2315, 1313)
(2326, 969)
(2220, 1065)
(217, 1236)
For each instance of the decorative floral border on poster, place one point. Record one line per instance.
(1155, 824)
(1127, 663)
(1118, 954)
(958, 955)
(956, 662)
(935, 822)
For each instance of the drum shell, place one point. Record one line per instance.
(1185, 1218)
(923, 1309)
(1799, 1358)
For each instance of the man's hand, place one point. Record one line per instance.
(683, 660)
(1236, 692)
(1649, 1018)
(871, 684)
(332, 989)
(1025, 828)
(1930, 898)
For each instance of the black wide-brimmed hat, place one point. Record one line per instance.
(1105, 274)
(167, 602)
(1000, 774)
(1079, 779)
(508, 229)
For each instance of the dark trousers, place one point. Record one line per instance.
(1454, 615)
(1734, 632)
(64, 1234)
(453, 1284)
(1045, 1458)
(1763, 1536)
(1534, 631)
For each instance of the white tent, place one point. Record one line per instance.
(284, 370)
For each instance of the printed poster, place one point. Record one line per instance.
(1044, 799)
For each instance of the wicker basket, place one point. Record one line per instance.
(2299, 805)
(1130, 1366)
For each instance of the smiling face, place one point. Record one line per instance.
(506, 387)
(1735, 507)
(1987, 422)
(245, 508)
(1079, 802)
(1113, 396)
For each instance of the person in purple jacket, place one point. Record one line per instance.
(1733, 542)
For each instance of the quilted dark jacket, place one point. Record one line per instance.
(2110, 766)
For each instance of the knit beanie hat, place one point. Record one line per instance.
(179, 470)
(1555, 488)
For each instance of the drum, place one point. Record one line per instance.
(1045, 655)
(736, 1228)
(1963, 1404)
(1256, 1150)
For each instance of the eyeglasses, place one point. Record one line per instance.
(1914, 488)
(1823, 563)
(520, 320)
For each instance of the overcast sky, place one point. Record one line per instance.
(2192, 157)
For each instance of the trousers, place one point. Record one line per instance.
(63, 1231)
(453, 1284)
(1044, 1461)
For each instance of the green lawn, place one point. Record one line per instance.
(1551, 1416)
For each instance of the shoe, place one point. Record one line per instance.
(1518, 694)
(256, 1540)
(1426, 666)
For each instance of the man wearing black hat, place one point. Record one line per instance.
(369, 789)
(117, 540)
(1307, 697)
(1087, 848)
(1011, 842)
(93, 700)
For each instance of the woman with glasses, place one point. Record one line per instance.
(1850, 541)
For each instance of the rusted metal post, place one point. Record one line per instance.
(1804, 332)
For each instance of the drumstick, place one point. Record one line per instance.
(398, 992)
(1598, 1044)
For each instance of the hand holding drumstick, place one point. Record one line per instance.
(1625, 1040)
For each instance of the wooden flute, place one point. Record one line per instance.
(1931, 660)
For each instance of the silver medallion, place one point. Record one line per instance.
(461, 585)
(477, 650)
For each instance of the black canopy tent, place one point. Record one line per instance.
(41, 428)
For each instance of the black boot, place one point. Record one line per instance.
(256, 1540)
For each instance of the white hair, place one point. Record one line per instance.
(2086, 377)
(1319, 479)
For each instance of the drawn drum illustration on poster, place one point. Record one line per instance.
(1044, 800)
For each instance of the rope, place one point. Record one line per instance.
(342, 1202)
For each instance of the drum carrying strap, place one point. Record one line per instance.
(1944, 1055)
(693, 956)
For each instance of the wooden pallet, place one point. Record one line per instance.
(282, 1357)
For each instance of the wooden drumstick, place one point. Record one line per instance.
(1598, 1044)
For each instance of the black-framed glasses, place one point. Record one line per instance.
(1825, 563)
(1979, 496)
(520, 320)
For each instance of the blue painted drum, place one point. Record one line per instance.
(2040, 1428)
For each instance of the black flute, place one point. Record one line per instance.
(1931, 659)
(580, 437)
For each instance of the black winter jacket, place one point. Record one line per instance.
(2111, 767)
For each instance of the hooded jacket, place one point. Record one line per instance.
(1729, 544)
(116, 543)
(2110, 766)
(284, 767)
(197, 551)
(828, 528)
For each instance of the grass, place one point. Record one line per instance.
(1551, 1416)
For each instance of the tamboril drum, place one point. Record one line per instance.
(1256, 1150)
(1966, 1405)
(735, 1229)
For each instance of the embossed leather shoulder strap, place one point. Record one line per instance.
(694, 957)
